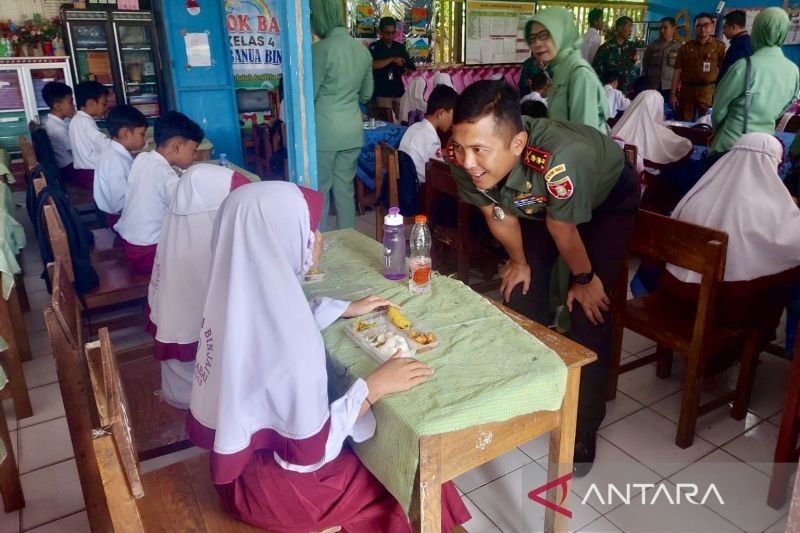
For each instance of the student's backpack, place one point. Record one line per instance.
(54, 182)
(79, 238)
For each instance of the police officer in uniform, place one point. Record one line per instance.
(696, 70)
(658, 63)
(548, 188)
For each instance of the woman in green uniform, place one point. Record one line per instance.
(576, 94)
(342, 79)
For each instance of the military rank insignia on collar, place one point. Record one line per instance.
(535, 158)
(450, 154)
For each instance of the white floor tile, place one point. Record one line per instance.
(40, 344)
(46, 403)
(34, 322)
(172, 458)
(650, 438)
(667, 518)
(756, 446)
(776, 419)
(743, 490)
(44, 444)
(38, 299)
(51, 493)
(9, 522)
(774, 369)
(505, 501)
(601, 525)
(479, 523)
(77, 523)
(634, 343)
(537, 448)
(492, 470)
(40, 371)
(8, 410)
(645, 387)
(614, 467)
(620, 407)
(779, 526)
(33, 281)
(766, 399)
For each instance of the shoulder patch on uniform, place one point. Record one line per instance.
(535, 158)
(561, 189)
(450, 154)
(555, 171)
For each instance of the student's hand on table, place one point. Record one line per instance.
(593, 299)
(512, 274)
(673, 101)
(398, 374)
(366, 305)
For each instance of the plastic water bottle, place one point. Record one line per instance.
(394, 245)
(420, 256)
(223, 160)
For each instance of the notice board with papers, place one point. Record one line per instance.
(495, 32)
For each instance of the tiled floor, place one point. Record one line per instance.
(636, 446)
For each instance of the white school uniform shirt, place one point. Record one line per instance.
(58, 131)
(86, 140)
(421, 143)
(591, 42)
(111, 178)
(151, 185)
(535, 96)
(616, 101)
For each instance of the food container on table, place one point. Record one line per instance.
(370, 331)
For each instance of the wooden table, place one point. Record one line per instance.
(446, 456)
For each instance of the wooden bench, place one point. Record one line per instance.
(786, 452)
(386, 162)
(159, 428)
(12, 329)
(696, 337)
(10, 485)
(179, 497)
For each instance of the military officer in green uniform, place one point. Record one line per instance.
(548, 188)
(618, 54)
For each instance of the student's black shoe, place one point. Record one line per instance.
(585, 447)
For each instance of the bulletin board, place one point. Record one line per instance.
(415, 22)
(794, 26)
(495, 32)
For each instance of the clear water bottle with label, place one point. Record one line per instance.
(420, 256)
(394, 245)
(223, 160)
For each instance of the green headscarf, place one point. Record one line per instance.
(561, 25)
(770, 28)
(325, 16)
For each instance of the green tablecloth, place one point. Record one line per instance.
(12, 241)
(488, 369)
(5, 166)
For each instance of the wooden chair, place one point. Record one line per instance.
(696, 337)
(12, 329)
(386, 161)
(262, 149)
(10, 485)
(631, 153)
(786, 452)
(697, 135)
(381, 113)
(249, 146)
(179, 497)
(28, 154)
(438, 181)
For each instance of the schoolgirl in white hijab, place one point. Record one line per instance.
(260, 391)
(413, 99)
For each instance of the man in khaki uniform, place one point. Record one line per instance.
(658, 63)
(696, 70)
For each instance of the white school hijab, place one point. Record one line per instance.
(261, 357)
(183, 256)
(642, 125)
(743, 196)
(414, 98)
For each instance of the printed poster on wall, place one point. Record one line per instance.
(255, 43)
(495, 32)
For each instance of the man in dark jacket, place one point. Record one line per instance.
(733, 28)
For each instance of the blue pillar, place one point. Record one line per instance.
(295, 22)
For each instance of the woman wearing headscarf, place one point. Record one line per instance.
(743, 196)
(342, 79)
(181, 267)
(260, 391)
(413, 100)
(576, 94)
(774, 82)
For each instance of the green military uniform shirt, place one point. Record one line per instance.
(691, 58)
(565, 172)
(615, 57)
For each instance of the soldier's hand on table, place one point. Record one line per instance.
(398, 374)
(593, 299)
(512, 274)
(366, 305)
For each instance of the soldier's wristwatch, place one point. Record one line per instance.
(584, 278)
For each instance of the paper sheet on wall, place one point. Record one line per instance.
(198, 51)
(495, 31)
(794, 27)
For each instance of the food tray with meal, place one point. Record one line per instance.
(382, 333)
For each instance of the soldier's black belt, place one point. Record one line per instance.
(699, 83)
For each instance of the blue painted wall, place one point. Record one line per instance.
(668, 8)
(205, 94)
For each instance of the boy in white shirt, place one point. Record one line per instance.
(127, 127)
(58, 97)
(86, 139)
(421, 140)
(151, 186)
(617, 102)
(539, 84)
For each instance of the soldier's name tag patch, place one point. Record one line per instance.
(561, 189)
(535, 158)
(555, 171)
